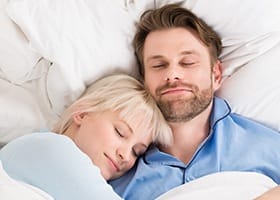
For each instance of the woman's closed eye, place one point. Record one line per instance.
(118, 132)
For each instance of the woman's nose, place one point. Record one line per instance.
(123, 154)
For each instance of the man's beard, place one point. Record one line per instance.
(183, 109)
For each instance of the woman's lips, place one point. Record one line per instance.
(113, 164)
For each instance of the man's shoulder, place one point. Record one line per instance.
(238, 124)
(223, 114)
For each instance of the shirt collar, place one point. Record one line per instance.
(155, 156)
(220, 110)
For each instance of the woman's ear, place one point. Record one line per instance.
(217, 72)
(78, 118)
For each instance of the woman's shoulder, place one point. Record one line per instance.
(38, 138)
(39, 144)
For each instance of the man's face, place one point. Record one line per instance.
(178, 73)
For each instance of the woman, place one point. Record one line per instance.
(99, 138)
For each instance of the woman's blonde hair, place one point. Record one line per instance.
(126, 95)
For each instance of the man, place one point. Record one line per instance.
(178, 58)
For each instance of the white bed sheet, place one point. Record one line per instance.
(221, 186)
(218, 186)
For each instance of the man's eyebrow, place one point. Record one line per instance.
(188, 52)
(153, 57)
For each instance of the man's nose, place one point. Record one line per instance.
(173, 73)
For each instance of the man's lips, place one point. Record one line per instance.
(113, 163)
(175, 91)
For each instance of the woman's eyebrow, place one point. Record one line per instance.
(127, 126)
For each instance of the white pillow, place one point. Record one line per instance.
(17, 58)
(254, 90)
(20, 112)
(25, 108)
(84, 39)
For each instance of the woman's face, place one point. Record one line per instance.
(112, 144)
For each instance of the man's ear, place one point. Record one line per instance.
(217, 72)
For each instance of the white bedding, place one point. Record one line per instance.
(51, 50)
(26, 107)
(219, 186)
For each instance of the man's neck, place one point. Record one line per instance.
(188, 136)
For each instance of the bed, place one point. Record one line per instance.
(51, 50)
